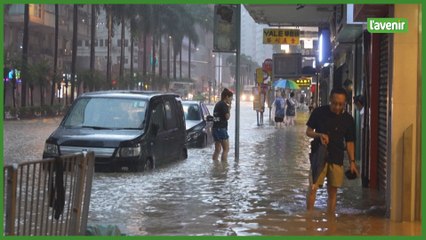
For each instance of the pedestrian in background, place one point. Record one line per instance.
(333, 126)
(291, 110)
(221, 114)
(279, 109)
(359, 102)
(311, 105)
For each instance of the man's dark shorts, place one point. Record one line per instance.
(220, 134)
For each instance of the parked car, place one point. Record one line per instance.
(127, 130)
(199, 124)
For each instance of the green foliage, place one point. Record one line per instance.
(38, 73)
(182, 24)
(25, 112)
(202, 14)
(92, 80)
(54, 110)
(126, 82)
(158, 82)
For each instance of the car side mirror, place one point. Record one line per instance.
(209, 118)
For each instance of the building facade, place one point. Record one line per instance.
(41, 41)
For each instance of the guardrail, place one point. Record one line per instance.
(49, 196)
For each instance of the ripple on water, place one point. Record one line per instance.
(261, 194)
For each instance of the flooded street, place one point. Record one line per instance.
(24, 139)
(261, 194)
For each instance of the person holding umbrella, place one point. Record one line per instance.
(332, 126)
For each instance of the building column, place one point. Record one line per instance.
(405, 117)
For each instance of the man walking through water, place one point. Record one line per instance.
(221, 114)
(332, 126)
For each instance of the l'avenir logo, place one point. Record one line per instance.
(387, 25)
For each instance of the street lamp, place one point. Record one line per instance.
(168, 57)
(212, 66)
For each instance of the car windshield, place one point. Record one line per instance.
(192, 112)
(107, 113)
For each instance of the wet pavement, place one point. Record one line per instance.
(24, 139)
(261, 194)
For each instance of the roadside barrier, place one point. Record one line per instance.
(48, 197)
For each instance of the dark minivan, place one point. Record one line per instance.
(127, 130)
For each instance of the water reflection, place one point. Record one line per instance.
(261, 194)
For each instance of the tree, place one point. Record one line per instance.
(109, 17)
(94, 15)
(203, 16)
(150, 21)
(135, 31)
(185, 26)
(145, 23)
(155, 21)
(166, 22)
(92, 79)
(84, 76)
(123, 38)
(55, 57)
(32, 78)
(39, 77)
(168, 55)
(25, 74)
(160, 55)
(43, 74)
(74, 49)
(120, 13)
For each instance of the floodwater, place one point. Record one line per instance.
(263, 193)
(24, 139)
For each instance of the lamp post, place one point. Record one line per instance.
(214, 74)
(168, 56)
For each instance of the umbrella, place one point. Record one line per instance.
(280, 83)
(283, 83)
(292, 84)
(318, 160)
